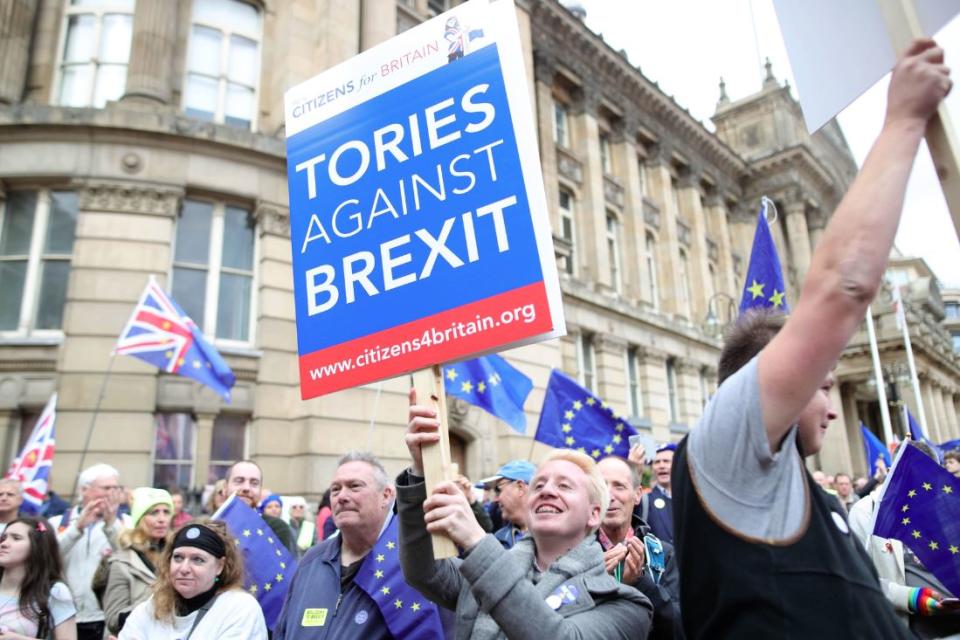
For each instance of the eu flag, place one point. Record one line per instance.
(874, 449)
(920, 506)
(490, 383)
(763, 286)
(574, 418)
(160, 333)
(917, 434)
(407, 613)
(949, 445)
(267, 565)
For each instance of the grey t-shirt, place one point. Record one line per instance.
(756, 493)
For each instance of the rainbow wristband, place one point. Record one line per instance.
(923, 603)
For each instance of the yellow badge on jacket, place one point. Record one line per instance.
(314, 617)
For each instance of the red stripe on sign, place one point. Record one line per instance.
(479, 326)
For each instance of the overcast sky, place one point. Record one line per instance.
(687, 45)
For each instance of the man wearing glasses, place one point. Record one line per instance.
(509, 491)
(87, 533)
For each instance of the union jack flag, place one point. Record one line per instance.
(32, 467)
(160, 333)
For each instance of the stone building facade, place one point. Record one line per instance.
(143, 137)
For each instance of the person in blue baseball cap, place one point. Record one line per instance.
(509, 485)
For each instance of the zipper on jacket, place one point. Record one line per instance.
(337, 606)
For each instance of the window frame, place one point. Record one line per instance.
(634, 389)
(244, 454)
(211, 302)
(586, 350)
(179, 461)
(612, 235)
(561, 135)
(650, 255)
(222, 79)
(683, 277)
(30, 300)
(98, 12)
(568, 215)
(673, 398)
(606, 153)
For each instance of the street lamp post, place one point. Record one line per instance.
(715, 323)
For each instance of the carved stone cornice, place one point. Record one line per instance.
(569, 166)
(129, 198)
(272, 219)
(613, 191)
(609, 343)
(686, 366)
(544, 67)
(652, 355)
(34, 365)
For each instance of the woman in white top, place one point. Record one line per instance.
(34, 602)
(199, 592)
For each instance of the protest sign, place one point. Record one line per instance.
(418, 222)
(840, 48)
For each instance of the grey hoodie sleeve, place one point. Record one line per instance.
(503, 590)
(438, 580)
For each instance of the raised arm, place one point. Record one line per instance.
(848, 264)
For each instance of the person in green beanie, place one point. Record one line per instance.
(133, 569)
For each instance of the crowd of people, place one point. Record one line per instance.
(733, 539)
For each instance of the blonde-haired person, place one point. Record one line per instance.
(199, 591)
(552, 584)
(133, 569)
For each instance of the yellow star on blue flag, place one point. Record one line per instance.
(267, 564)
(932, 531)
(572, 416)
(763, 286)
(490, 383)
(380, 578)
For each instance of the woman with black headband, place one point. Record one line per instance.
(199, 592)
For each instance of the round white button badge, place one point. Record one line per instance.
(840, 522)
(554, 601)
(361, 617)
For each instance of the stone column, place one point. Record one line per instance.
(651, 371)
(846, 400)
(593, 262)
(8, 418)
(544, 71)
(716, 215)
(697, 258)
(668, 244)
(953, 428)
(201, 468)
(610, 353)
(16, 27)
(378, 22)
(940, 407)
(816, 223)
(154, 37)
(798, 236)
(633, 233)
(688, 388)
(929, 403)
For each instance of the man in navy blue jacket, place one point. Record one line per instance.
(323, 600)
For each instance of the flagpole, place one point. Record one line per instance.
(93, 420)
(878, 375)
(908, 347)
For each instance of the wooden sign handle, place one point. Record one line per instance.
(436, 457)
(903, 26)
